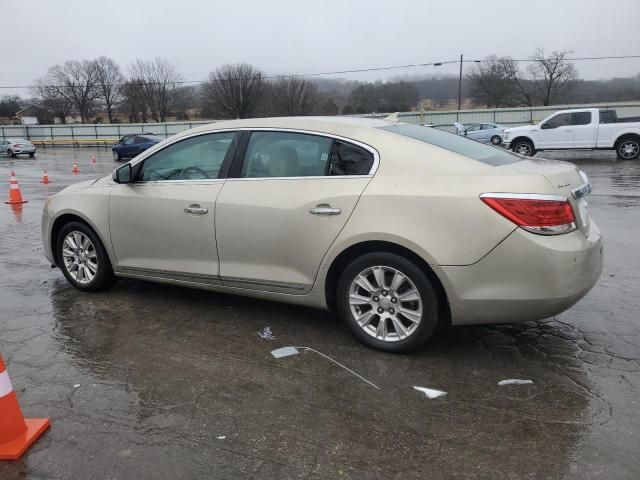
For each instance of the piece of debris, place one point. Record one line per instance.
(266, 334)
(77, 385)
(430, 393)
(221, 437)
(514, 381)
(287, 351)
(284, 352)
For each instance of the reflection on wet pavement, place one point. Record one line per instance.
(164, 372)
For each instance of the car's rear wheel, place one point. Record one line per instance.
(628, 149)
(83, 259)
(11, 154)
(524, 147)
(116, 155)
(31, 155)
(387, 302)
(496, 140)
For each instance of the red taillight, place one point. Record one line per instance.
(543, 214)
(17, 145)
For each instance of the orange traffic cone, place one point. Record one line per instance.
(45, 178)
(16, 432)
(14, 191)
(75, 170)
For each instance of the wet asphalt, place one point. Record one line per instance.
(158, 382)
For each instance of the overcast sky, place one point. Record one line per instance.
(302, 36)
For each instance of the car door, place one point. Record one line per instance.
(555, 132)
(126, 147)
(288, 197)
(162, 224)
(3, 146)
(585, 132)
(474, 132)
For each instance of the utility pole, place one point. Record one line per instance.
(460, 85)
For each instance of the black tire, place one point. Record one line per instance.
(628, 148)
(496, 140)
(428, 321)
(524, 147)
(31, 155)
(116, 156)
(11, 154)
(104, 277)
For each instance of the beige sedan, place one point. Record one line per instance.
(398, 227)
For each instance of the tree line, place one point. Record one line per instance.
(154, 90)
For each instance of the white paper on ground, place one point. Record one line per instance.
(284, 352)
(514, 381)
(429, 392)
(221, 437)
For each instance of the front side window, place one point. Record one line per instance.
(195, 158)
(473, 128)
(128, 141)
(560, 120)
(285, 154)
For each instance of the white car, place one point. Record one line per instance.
(396, 226)
(17, 146)
(584, 128)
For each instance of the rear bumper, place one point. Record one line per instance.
(18, 151)
(526, 277)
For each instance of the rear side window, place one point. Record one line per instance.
(348, 159)
(140, 140)
(455, 143)
(581, 118)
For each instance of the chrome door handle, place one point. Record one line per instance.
(325, 210)
(196, 210)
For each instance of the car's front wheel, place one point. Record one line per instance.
(83, 259)
(116, 156)
(388, 302)
(524, 147)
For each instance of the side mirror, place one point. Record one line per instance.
(545, 126)
(122, 174)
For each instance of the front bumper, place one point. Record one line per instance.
(526, 277)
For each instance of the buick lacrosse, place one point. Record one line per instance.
(398, 227)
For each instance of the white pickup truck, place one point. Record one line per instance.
(585, 128)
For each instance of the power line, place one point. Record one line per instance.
(338, 72)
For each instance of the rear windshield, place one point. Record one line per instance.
(456, 143)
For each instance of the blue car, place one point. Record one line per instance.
(132, 145)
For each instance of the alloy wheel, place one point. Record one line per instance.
(385, 303)
(628, 149)
(80, 257)
(523, 149)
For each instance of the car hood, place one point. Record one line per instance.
(524, 128)
(80, 185)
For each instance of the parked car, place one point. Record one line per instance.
(584, 128)
(133, 145)
(483, 132)
(396, 226)
(17, 146)
(124, 137)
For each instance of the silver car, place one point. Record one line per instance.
(17, 146)
(398, 227)
(483, 132)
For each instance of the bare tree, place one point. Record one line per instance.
(552, 76)
(51, 99)
(363, 99)
(234, 90)
(76, 81)
(491, 83)
(294, 96)
(109, 80)
(160, 81)
(133, 101)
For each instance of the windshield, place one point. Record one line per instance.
(455, 143)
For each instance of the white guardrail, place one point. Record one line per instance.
(81, 134)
